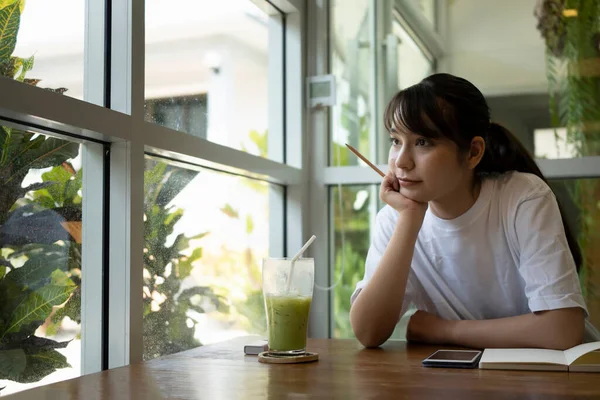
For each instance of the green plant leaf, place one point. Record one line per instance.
(10, 18)
(71, 309)
(22, 66)
(49, 152)
(66, 185)
(176, 181)
(185, 266)
(230, 211)
(201, 235)
(6, 3)
(34, 343)
(36, 307)
(37, 269)
(249, 224)
(12, 364)
(41, 364)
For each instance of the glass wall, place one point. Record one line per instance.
(372, 57)
(202, 256)
(207, 71)
(47, 50)
(41, 274)
(351, 218)
(541, 86)
(351, 54)
(173, 231)
(579, 200)
(413, 64)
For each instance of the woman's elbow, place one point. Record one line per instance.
(367, 335)
(369, 341)
(569, 328)
(568, 341)
(573, 337)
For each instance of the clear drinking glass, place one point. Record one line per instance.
(287, 303)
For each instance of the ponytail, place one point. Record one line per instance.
(503, 153)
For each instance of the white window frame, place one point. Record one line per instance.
(124, 130)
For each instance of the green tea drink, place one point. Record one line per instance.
(287, 320)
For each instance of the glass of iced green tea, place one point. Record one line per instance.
(288, 291)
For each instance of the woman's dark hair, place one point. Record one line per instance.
(443, 105)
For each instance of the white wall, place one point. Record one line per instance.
(496, 45)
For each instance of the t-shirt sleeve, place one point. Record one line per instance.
(545, 260)
(383, 231)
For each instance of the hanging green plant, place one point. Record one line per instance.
(571, 30)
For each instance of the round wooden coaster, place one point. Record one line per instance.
(267, 358)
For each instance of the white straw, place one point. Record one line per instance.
(296, 257)
(303, 249)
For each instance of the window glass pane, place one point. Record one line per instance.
(351, 239)
(579, 199)
(49, 43)
(207, 72)
(555, 143)
(552, 143)
(353, 216)
(350, 63)
(427, 9)
(206, 233)
(413, 65)
(40, 259)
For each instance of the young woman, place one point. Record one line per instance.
(472, 236)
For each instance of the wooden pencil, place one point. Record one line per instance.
(369, 163)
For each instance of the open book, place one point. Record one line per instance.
(582, 358)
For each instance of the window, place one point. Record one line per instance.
(427, 8)
(413, 64)
(187, 114)
(350, 55)
(49, 44)
(351, 208)
(206, 234)
(553, 143)
(41, 182)
(215, 73)
(579, 201)
(369, 68)
(207, 72)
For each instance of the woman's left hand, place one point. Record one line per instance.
(425, 327)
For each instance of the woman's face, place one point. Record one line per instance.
(427, 169)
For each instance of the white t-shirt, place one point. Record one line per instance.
(506, 256)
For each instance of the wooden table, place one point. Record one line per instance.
(344, 371)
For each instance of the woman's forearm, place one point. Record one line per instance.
(375, 311)
(556, 329)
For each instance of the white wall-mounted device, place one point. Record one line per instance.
(320, 91)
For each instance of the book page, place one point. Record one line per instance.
(523, 356)
(574, 353)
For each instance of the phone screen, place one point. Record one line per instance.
(454, 355)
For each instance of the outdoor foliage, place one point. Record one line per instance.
(39, 259)
(169, 324)
(572, 54)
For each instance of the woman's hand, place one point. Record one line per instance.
(425, 327)
(390, 194)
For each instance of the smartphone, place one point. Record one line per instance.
(453, 359)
